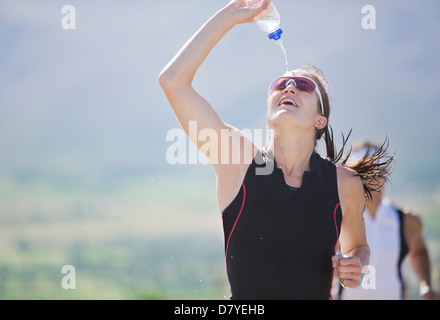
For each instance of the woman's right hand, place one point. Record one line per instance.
(245, 12)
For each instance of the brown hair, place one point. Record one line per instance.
(374, 167)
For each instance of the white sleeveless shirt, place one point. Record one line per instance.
(381, 280)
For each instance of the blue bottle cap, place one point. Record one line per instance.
(276, 35)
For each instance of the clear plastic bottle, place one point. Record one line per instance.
(269, 20)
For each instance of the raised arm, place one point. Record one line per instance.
(191, 107)
(177, 77)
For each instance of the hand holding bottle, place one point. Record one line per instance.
(247, 10)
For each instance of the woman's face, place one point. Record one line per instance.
(294, 107)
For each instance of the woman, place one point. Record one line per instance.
(280, 225)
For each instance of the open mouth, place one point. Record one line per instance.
(288, 102)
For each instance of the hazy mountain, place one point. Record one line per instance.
(86, 103)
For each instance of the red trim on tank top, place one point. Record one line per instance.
(236, 220)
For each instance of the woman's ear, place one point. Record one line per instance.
(321, 123)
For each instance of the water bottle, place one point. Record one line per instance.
(268, 21)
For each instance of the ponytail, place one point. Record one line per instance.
(373, 168)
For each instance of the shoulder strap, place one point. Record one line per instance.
(403, 247)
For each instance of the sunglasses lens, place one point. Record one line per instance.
(305, 85)
(279, 84)
(301, 83)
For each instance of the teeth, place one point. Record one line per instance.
(284, 101)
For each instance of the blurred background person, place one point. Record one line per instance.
(394, 234)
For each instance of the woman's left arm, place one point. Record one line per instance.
(355, 253)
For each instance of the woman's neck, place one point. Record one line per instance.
(292, 155)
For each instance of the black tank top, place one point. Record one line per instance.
(278, 246)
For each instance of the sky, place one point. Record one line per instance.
(85, 103)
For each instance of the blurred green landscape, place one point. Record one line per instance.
(136, 241)
(145, 239)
